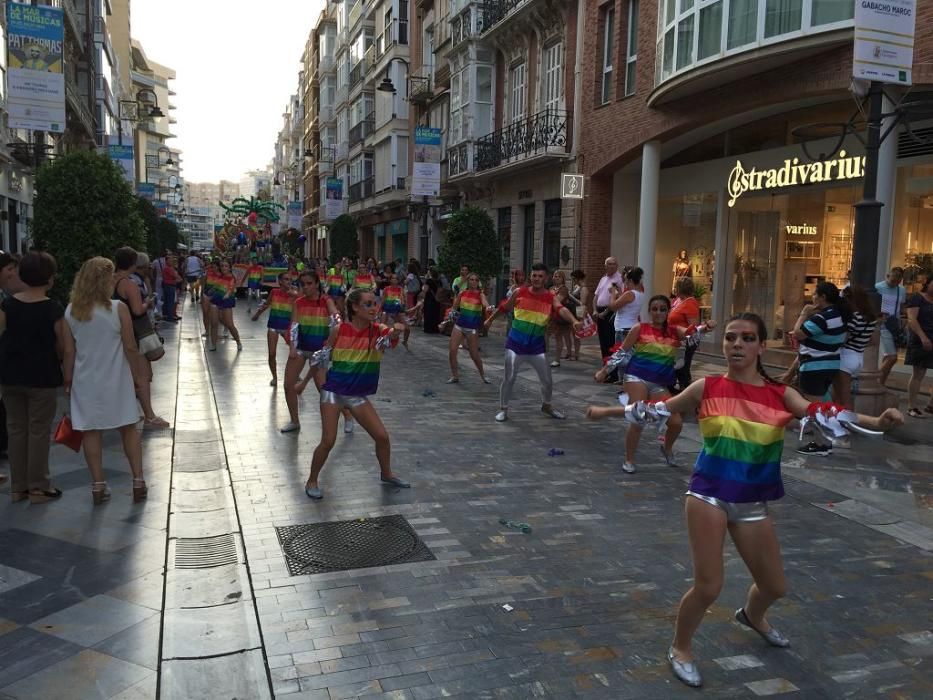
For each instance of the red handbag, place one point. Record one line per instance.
(68, 436)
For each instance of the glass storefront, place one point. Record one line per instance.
(686, 245)
(912, 238)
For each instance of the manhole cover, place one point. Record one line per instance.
(317, 548)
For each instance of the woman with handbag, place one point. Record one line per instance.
(148, 343)
(30, 373)
(99, 356)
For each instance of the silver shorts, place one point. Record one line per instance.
(736, 512)
(466, 331)
(652, 387)
(342, 400)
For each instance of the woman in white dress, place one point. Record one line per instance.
(98, 375)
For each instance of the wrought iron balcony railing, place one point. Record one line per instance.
(356, 74)
(458, 160)
(547, 132)
(419, 89)
(361, 190)
(360, 131)
(495, 11)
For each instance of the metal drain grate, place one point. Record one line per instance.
(351, 544)
(205, 552)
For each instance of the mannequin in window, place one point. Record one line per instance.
(681, 267)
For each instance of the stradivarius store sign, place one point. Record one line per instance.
(793, 173)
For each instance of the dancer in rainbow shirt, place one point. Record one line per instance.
(208, 291)
(336, 285)
(742, 416)
(468, 310)
(650, 372)
(279, 304)
(364, 279)
(253, 284)
(312, 317)
(356, 346)
(223, 301)
(531, 308)
(393, 308)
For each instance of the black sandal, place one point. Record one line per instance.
(915, 413)
(44, 496)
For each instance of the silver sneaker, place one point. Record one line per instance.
(552, 412)
(686, 671)
(772, 636)
(348, 426)
(502, 416)
(628, 467)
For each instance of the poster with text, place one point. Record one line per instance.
(35, 81)
(293, 210)
(333, 204)
(884, 40)
(426, 168)
(123, 156)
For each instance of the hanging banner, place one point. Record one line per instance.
(333, 203)
(146, 190)
(884, 40)
(35, 82)
(293, 211)
(426, 169)
(123, 156)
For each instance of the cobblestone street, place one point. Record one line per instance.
(103, 603)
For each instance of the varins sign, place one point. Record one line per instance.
(792, 174)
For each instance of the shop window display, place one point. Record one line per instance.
(686, 245)
(912, 239)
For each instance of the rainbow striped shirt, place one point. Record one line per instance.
(743, 437)
(313, 323)
(335, 284)
(392, 300)
(280, 310)
(530, 318)
(655, 355)
(364, 282)
(471, 310)
(213, 286)
(254, 276)
(354, 368)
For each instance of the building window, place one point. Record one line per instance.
(517, 93)
(631, 48)
(528, 239)
(553, 71)
(782, 16)
(743, 22)
(403, 22)
(609, 15)
(552, 212)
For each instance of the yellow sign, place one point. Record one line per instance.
(793, 173)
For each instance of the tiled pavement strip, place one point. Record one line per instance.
(593, 587)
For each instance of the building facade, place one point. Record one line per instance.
(696, 166)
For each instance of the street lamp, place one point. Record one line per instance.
(386, 85)
(145, 106)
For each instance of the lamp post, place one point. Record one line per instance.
(145, 106)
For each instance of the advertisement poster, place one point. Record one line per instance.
(884, 40)
(146, 190)
(333, 206)
(293, 210)
(35, 81)
(426, 169)
(123, 156)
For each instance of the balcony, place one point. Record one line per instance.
(78, 104)
(494, 13)
(326, 113)
(458, 160)
(102, 35)
(357, 74)
(355, 14)
(75, 21)
(363, 130)
(419, 89)
(361, 190)
(326, 64)
(546, 133)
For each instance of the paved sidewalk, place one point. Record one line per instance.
(582, 606)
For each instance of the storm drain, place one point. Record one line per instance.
(317, 548)
(205, 552)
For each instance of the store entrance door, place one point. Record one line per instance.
(755, 238)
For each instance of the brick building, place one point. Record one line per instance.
(683, 100)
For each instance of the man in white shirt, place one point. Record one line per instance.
(601, 298)
(893, 296)
(194, 270)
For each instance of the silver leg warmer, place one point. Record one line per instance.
(513, 364)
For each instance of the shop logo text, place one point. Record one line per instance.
(792, 174)
(801, 230)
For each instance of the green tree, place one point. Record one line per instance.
(168, 234)
(470, 240)
(344, 241)
(83, 208)
(147, 213)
